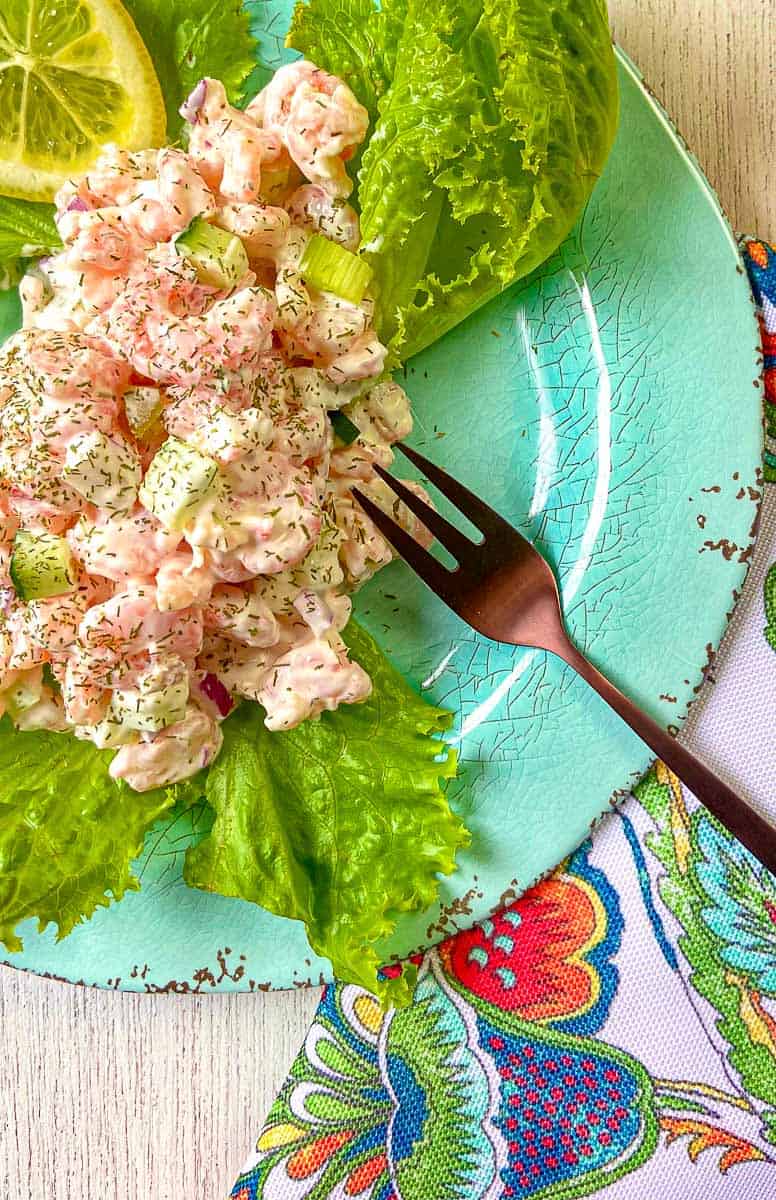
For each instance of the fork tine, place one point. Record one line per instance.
(451, 538)
(430, 570)
(479, 513)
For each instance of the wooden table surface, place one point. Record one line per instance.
(159, 1097)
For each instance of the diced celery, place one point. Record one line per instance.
(329, 267)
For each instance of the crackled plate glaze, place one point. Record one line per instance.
(609, 406)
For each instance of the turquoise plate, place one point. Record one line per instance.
(609, 406)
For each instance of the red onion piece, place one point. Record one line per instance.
(190, 108)
(214, 689)
(77, 205)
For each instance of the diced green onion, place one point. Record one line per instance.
(329, 267)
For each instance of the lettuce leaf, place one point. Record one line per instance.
(340, 823)
(26, 231)
(191, 38)
(493, 121)
(68, 831)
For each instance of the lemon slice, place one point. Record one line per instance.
(74, 74)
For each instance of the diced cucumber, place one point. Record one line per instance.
(41, 566)
(178, 480)
(329, 267)
(346, 431)
(143, 407)
(102, 470)
(158, 700)
(218, 257)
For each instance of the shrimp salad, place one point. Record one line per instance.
(177, 528)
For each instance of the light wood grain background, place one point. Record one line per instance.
(159, 1097)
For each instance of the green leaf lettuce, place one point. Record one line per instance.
(340, 823)
(68, 831)
(191, 38)
(493, 120)
(27, 230)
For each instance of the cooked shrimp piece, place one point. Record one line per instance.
(262, 228)
(241, 616)
(64, 364)
(114, 179)
(293, 303)
(182, 582)
(318, 119)
(34, 294)
(102, 242)
(303, 435)
(313, 675)
(122, 546)
(26, 653)
(85, 701)
(174, 754)
(181, 190)
(281, 532)
(227, 435)
(363, 359)
(238, 668)
(330, 330)
(33, 704)
(226, 143)
(225, 566)
(111, 632)
(52, 624)
(383, 414)
(187, 351)
(356, 462)
(323, 612)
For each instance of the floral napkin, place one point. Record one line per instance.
(615, 1028)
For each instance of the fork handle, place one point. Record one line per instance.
(752, 830)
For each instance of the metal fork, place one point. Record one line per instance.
(505, 589)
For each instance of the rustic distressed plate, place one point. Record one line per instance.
(609, 406)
